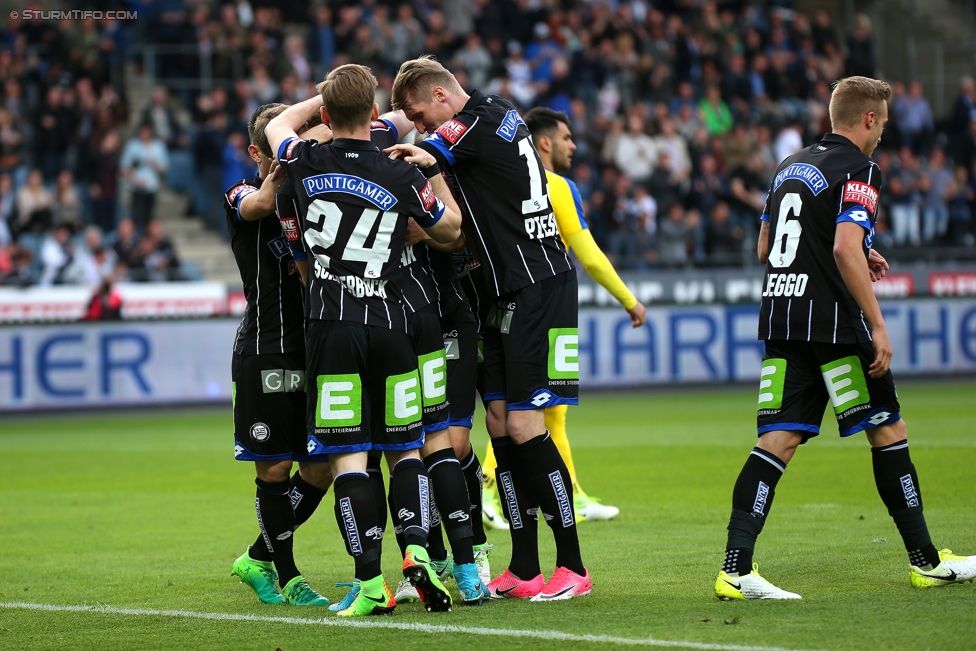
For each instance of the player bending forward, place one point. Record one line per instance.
(826, 340)
(364, 390)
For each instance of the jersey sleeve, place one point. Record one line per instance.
(764, 217)
(598, 266)
(287, 208)
(237, 192)
(859, 197)
(566, 204)
(383, 134)
(455, 140)
(424, 206)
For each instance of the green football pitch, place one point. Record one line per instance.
(117, 531)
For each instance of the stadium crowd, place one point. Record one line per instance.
(681, 109)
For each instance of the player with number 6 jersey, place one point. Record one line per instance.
(827, 343)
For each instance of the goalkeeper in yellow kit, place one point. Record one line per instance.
(554, 142)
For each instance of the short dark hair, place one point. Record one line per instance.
(543, 121)
(259, 121)
(348, 94)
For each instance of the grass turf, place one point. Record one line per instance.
(148, 510)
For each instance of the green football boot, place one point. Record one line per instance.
(299, 593)
(374, 598)
(260, 576)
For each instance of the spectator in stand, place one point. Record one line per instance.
(237, 162)
(964, 110)
(736, 87)
(723, 238)
(860, 47)
(8, 202)
(34, 206)
(623, 224)
(645, 207)
(144, 162)
(960, 195)
(788, 142)
(935, 209)
(125, 244)
(156, 256)
(67, 202)
(53, 131)
(903, 199)
(747, 191)
(104, 187)
(57, 253)
(671, 142)
(708, 187)
(475, 60)
(162, 117)
(665, 185)
(715, 112)
(914, 118)
(635, 154)
(675, 236)
(208, 150)
(93, 262)
(321, 41)
(11, 142)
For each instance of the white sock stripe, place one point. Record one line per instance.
(361, 473)
(896, 446)
(408, 627)
(773, 462)
(440, 461)
(468, 464)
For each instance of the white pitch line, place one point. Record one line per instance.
(378, 624)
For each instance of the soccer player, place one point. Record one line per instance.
(826, 341)
(268, 373)
(554, 142)
(530, 345)
(364, 390)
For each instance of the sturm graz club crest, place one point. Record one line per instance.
(260, 432)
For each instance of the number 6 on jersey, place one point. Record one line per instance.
(787, 231)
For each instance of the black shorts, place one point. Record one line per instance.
(428, 344)
(363, 390)
(269, 407)
(460, 336)
(799, 378)
(531, 346)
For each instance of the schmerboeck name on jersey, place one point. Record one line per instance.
(785, 285)
(358, 287)
(541, 226)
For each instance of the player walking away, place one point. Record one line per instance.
(268, 373)
(364, 389)
(530, 347)
(554, 142)
(826, 340)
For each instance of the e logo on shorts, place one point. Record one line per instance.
(563, 354)
(433, 377)
(403, 399)
(771, 380)
(340, 401)
(844, 379)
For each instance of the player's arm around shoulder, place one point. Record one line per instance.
(260, 204)
(286, 125)
(438, 213)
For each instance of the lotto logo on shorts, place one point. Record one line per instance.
(340, 401)
(349, 522)
(452, 130)
(433, 377)
(908, 488)
(403, 401)
(508, 490)
(563, 354)
(861, 193)
(772, 377)
(562, 498)
(845, 383)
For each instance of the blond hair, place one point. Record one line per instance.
(348, 94)
(853, 97)
(418, 78)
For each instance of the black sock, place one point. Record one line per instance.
(355, 512)
(545, 468)
(277, 522)
(435, 537)
(471, 467)
(375, 473)
(451, 493)
(397, 528)
(305, 498)
(897, 482)
(410, 488)
(752, 498)
(520, 506)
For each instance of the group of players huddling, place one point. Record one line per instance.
(389, 283)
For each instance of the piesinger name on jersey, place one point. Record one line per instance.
(785, 284)
(358, 287)
(541, 226)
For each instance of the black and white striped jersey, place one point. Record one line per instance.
(273, 321)
(489, 152)
(804, 295)
(353, 205)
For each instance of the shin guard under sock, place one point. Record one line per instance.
(355, 512)
(305, 499)
(471, 468)
(451, 496)
(752, 498)
(542, 464)
(435, 537)
(410, 490)
(277, 523)
(521, 509)
(897, 482)
(375, 473)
